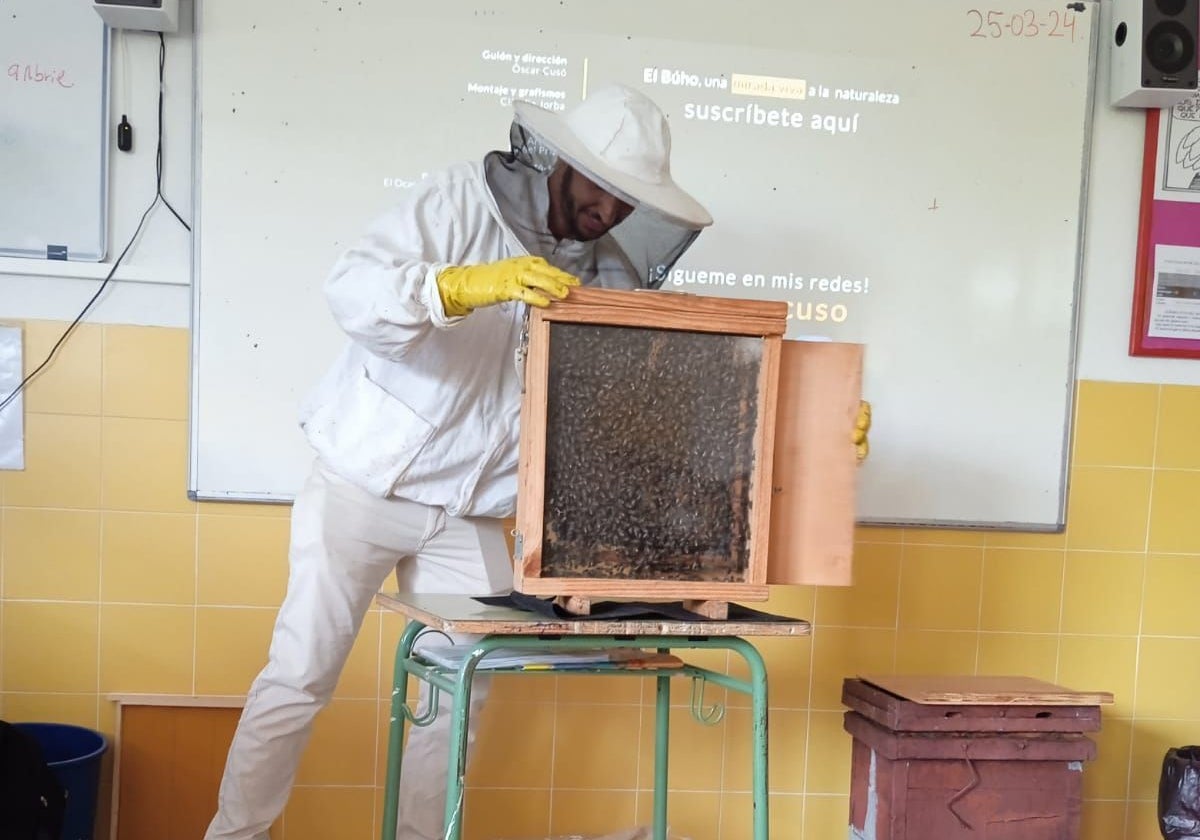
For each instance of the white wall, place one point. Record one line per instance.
(155, 273)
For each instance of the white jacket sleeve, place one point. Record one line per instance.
(383, 291)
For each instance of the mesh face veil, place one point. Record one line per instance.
(636, 253)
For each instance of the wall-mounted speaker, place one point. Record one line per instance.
(1152, 52)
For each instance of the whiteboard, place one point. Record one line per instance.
(53, 130)
(910, 175)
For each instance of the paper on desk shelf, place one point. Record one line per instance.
(550, 659)
(452, 656)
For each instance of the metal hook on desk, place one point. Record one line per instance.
(714, 713)
(429, 715)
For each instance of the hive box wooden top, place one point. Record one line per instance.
(985, 690)
(983, 704)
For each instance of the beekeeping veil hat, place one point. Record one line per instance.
(620, 139)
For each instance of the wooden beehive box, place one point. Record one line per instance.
(648, 438)
(967, 756)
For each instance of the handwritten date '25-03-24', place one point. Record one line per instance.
(1025, 23)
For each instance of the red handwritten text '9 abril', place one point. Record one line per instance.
(36, 74)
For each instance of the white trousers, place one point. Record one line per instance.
(344, 544)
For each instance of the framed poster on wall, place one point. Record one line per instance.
(1166, 299)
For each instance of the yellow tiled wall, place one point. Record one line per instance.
(112, 581)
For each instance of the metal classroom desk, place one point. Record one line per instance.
(502, 627)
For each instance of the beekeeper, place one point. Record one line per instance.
(415, 426)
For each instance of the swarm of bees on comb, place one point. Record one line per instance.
(649, 452)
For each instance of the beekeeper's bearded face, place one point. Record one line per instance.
(580, 209)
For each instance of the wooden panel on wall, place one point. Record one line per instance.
(171, 760)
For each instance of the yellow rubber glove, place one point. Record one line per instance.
(862, 424)
(464, 288)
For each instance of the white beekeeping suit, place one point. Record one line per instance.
(415, 425)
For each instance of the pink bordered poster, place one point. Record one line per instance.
(1166, 300)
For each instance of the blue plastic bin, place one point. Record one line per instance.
(74, 754)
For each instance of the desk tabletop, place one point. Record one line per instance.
(463, 614)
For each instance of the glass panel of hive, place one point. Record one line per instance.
(650, 447)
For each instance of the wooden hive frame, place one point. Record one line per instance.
(763, 321)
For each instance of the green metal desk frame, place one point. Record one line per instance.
(533, 633)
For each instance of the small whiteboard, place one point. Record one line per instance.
(53, 130)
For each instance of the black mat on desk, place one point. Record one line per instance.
(608, 610)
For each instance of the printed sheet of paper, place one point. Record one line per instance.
(1179, 152)
(1175, 306)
